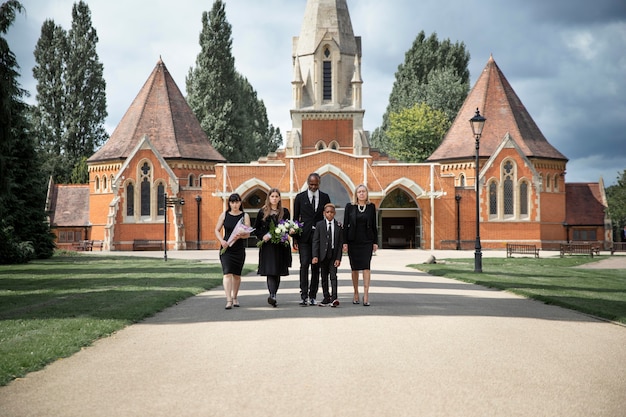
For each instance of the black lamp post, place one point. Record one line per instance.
(198, 200)
(168, 202)
(458, 221)
(477, 122)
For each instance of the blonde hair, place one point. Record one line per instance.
(267, 209)
(367, 198)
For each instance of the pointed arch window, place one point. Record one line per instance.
(97, 184)
(523, 199)
(493, 199)
(556, 182)
(160, 199)
(104, 184)
(327, 74)
(145, 197)
(508, 197)
(130, 200)
(462, 180)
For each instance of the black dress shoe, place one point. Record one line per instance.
(271, 301)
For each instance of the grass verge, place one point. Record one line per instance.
(50, 309)
(557, 281)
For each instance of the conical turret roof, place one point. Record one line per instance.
(161, 113)
(494, 97)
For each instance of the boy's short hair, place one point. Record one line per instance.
(329, 205)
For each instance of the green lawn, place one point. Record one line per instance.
(51, 309)
(600, 292)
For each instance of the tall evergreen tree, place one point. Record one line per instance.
(211, 85)
(264, 137)
(224, 102)
(85, 102)
(434, 73)
(49, 114)
(24, 233)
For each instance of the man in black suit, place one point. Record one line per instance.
(308, 209)
(327, 252)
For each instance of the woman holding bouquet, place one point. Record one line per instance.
(275, 250)
(233, 253)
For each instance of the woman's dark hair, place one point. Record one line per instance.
(233, 197)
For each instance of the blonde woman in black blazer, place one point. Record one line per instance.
(360, 237)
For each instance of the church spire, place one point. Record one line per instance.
(326, 83)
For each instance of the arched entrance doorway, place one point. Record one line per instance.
(400, 221)
(337, 192)
(252, 201)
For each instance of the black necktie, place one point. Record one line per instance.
(313, 201)
(329, 235)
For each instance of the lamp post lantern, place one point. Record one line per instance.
(168, 202)
(477, 122)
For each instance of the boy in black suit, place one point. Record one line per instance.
(327, 252)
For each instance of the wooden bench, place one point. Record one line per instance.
(97, 244)
(522, 249)
(143, 244)
(579, 249)
(618, 247)
(83, 245)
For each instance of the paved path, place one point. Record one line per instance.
(427, 346)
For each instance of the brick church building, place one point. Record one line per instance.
(158, 150)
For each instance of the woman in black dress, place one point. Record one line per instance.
(234, 256)
(274, 258)
(360, 234)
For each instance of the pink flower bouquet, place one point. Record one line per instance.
(240, 229)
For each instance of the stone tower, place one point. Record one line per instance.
(327, 102)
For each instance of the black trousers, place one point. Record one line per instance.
(328, 268)
(305, 250)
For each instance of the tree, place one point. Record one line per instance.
(265, 138)
(24, 233)
(434, 73)
(49, 114)
(85, 102)
(224, 102)
(616, 199)
(416, 132)
(71, 96)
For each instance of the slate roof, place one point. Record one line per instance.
(505, 113)
(69, 205)
(161, 112)
(583, 202)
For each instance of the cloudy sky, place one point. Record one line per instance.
(566, 59)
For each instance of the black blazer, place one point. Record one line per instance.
(320, 241)
(304, 212)
(349, 224)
